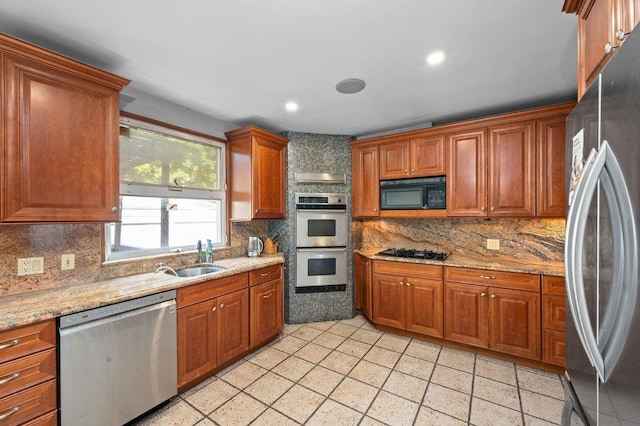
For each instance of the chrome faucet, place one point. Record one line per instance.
(199, 247)
(161, 267)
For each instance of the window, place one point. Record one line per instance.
(171, 192)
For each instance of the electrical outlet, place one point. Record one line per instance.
(30, 265)
(68, 262)
(493, 244)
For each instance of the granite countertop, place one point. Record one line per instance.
(35, 306)
(503, 263)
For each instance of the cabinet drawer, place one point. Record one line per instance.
(27, 371)
(430, 272)
(553, 347)
(28, 404)
(210, 289)
(553, 312)
(553, 285)
(512, 280)
(262, 275)
(27, 340)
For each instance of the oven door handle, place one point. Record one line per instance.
(313, 211)
(333, 249)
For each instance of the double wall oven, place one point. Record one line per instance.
(321, 242)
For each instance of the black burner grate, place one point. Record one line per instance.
(414, 254)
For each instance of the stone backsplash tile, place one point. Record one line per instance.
(520, 238)
(85, 241)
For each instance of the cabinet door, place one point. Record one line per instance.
(465, 314)
(232, 325)
(366, 181)
(60, 159)
(388, 300)
(196, 341)
(268, 164)
(467, 174)
(394, 160)
(511, 179)
(551, 192)
(266, 311)
(515, 322)
(554, 347)
(424, 306)
(427, 156)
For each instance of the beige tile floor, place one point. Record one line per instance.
(349, 373)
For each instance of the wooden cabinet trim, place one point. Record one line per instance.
(196, 293)
(553, 347)
(553, 285)
(553, 312)
(433, 272)
(28, 339)
(512, 280)
(32, 370)
(262, 275)
(33, 402)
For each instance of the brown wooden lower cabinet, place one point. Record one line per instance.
(403, 299)
(266, 311)
(363, 288)
(553, 320)
(497, 318)
(213, 330)
(28, 375)
(196, 341)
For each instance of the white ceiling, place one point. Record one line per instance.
(240, 61)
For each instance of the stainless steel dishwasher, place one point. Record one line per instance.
(118, 361)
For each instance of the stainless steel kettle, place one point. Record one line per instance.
(255, 247)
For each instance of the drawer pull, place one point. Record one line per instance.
(266, 296)
(265, 274)
(408, 284)
(221, 305)
(493, 296)
(487, 277)
(9, 345)
(9, 378)
(483, 294)
(213, 309)
(10, 412)
(401, 283)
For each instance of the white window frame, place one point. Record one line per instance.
(172, 191)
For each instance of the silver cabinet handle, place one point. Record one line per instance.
(213, 309)
(265, 274)
(221, 305)
(255, 211)
(267, 296)
(9, 378)
(609, 48)
(482, 208)
(114, 209)
(621, 34)
(483, 294)
(12, 343)
(487, 277)
(401, 283)
(493, 209)
(493, 296)
(10, 413)
(408, 284)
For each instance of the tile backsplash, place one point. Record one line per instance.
(85, 241)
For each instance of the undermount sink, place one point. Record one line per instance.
(194, 271)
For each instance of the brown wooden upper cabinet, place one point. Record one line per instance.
(59, 145)
(416, 157)
(602, 25)
(256, 162)
(491, 171)
(365, 181)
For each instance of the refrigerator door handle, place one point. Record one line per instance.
(573, 252)
(605, 350)
(616, 324)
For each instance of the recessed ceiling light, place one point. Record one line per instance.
(291, 106)
(435, 58)
(350, 85)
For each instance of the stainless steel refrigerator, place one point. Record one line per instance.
(602, 379)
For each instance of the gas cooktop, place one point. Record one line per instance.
(414, 254)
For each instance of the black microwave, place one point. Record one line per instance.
(412, 194)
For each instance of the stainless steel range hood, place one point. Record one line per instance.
(326, 178)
